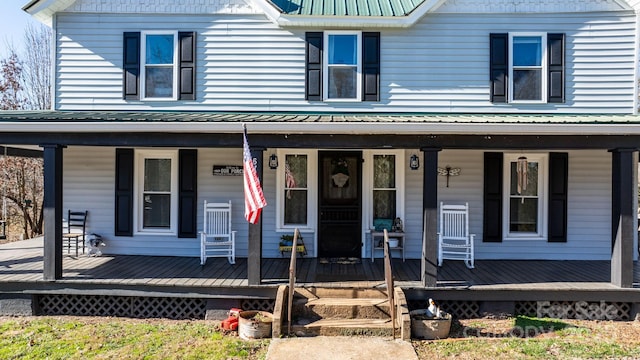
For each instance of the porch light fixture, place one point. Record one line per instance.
(414, 162)
(273, 161)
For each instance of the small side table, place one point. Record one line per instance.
(377, 244)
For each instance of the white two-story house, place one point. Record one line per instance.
(383, 91)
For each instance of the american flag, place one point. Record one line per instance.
(253, 196)
(289, 179)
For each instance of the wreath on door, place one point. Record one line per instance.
(340, 173)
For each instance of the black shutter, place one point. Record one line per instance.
(187, 73)
(188, 192)
(492, 212)
(371, 66)
(131, 66)
(499, 66)
(555, 54)
(558, 179)
(314, 66)
(124, 192)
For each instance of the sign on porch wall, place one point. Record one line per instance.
(227, 170)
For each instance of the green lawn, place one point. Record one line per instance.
(116, 338)
(68, 337)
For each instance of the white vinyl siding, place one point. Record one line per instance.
(89, 175)
(246, 63)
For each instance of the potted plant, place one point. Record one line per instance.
(287, 239)
(254, 324)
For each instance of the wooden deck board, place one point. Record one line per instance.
(129, 270)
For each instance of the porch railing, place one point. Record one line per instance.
(292, 278)
(388, 278)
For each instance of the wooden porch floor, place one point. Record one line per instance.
(22, 264)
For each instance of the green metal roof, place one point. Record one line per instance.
(267, 117)
(363, 8)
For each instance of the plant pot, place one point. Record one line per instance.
(255, 324)
(429, 328)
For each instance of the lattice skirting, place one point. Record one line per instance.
(457, 308)
(582, 310)
(134, 306)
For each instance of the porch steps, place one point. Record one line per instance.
(341, 312)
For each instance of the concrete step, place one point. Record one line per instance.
(369, 293)
(343, 327)
(342, 308)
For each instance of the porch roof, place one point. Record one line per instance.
(314, 123)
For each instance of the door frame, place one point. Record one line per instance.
(358, 226)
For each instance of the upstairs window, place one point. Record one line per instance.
(159, 65)
(527, 68)
(342, 66)
(159, 59)
(342, 76)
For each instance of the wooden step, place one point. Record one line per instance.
(342, 308)
(344, 327)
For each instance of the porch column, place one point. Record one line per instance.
(254, 261)
(430, 217)
(52, 204)
(623, 219)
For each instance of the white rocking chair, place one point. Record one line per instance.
(454, 240)
(217, 239)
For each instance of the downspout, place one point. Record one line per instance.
(636, 93)
(54, 63)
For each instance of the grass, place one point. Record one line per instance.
(117, 338)
(67, 337)
(532, 338)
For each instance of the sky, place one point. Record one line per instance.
(13, 21)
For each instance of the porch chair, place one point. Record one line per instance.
(76, 225)
(217, 239)
(454, 240)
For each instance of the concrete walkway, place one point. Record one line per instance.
(340, 347)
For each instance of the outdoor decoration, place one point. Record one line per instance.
(397, 225)
(94, 242)
(340, 173)
(448, 171)
(290, 180)
(430, 323)
(521, 169)
(255, 324)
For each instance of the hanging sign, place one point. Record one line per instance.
(227, 170)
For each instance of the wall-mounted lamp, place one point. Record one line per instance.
(273, 161)
(414, 162)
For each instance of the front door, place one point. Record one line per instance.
(340, 202)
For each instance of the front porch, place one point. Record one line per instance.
(21, 268)
(164, 286)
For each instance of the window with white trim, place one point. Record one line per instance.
(527, 67)
(296, 179)
(159, 76)
(525, 196)
(156, 191)
(342, 73)
(386, 195)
